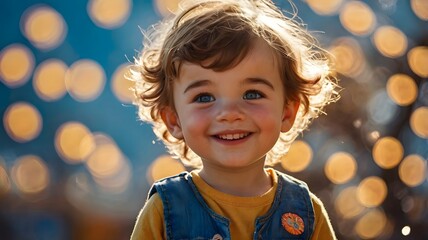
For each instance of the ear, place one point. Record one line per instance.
(289, 115)
(172, 122)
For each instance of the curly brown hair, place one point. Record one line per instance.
(224, 31)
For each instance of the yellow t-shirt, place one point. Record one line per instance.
(241, 211)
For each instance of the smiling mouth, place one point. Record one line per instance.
(231, 137)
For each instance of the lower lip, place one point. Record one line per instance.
(232, 142)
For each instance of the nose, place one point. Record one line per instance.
(230, 111)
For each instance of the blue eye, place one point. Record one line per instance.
(252, 94)
(204, 98)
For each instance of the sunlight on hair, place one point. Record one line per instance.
(44, 27)
(85, 80)
(16, 65)
(420, 8)
(109, 14)
(413, 170)
(325, 7)
(121, 86)
(347, 204)
(418, 60)
(390, 41)
(340, 167)
(387, 152)
(74, 142)
(402, 89)
(349, 57)
(4, 180)
(298, 158)
(166, 7)
(358, 18)
(48, 80)
(162, 167)
(372, 191)
(419, 123)
(22, 122)
(30, 174)
(372, 224)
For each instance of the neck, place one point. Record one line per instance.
(250, 181)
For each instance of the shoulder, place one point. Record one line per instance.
(323, 228)
(171, 181)
(150, 220)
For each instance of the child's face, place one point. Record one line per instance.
(234, 117)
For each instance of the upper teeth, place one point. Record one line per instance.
(233, 136)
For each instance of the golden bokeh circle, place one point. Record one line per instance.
(16, 65)
(358, 18)
(371, 225)
(30, 174)
(324, 7)
(166, 7)
(349, 58)
(85, 80)
(372, 191)
(387, 152)
(418, 60)
(121, 86)
(402, 89)
(74, 142)
(390, 41)
(43, 26)
(420, 8)
(413, 170)
(340, 167)
(347, 204)
(22, 122)
(164, 166)
(109, 14)
(49, 79)
(419, 123)
(298, 158)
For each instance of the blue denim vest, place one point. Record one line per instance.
(187, 216)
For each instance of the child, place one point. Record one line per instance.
(228, 85)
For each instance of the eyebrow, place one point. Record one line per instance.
(196, 84)
(260, 81)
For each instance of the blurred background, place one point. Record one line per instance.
(76, 163)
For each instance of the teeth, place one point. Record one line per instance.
(233, 136)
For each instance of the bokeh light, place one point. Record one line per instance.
(43, 26)
(340, 167)
(166, 7)
(74, 142)
(358, 18)
(387, 152)
(162, 167)
(418, 60)
(420, 8)
(372, 191)
(371, 225)
(109, 14)
(49, 79)
(85, 80)
(4, 181)
(16, 65)
(419, 123)
(413, 170)
(30, 174)
(349, 56)
(390, 41)
(325, 7)
(347, 204)
(121, 86)
(298, 158)
(22, 122)
(402, 89)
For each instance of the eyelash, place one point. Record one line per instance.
(252, 91)
(198, 98)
